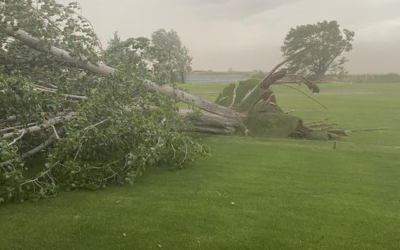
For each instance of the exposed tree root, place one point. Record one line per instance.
(234, 95)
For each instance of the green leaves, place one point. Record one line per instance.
(329, 43)
(119, 129)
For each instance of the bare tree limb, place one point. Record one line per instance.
(288, 59)
(97, 124)
(54, 91)
(17, 139)
(36, 180)
(105, 70)
(32, 152)
(304, 93)
(275, 69)
(9, 119)
(48, 123)
(311, 86)
(55, 132)
(3, 130)
(66, 56)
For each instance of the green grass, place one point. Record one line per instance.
(250, 194)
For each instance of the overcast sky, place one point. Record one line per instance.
(247, 34)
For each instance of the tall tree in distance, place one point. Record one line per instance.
(173, 55)
(328, 43)
(139, 53)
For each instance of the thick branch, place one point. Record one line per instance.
(290, 58)
(106, 70)
(66, 56)
(192, 99)
(48, 123)
(9, 119)
(32, 152)
(54, 91)
(209, 119)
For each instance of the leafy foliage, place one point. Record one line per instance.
(91, 131)
(328, 41)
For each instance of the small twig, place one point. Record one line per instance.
(86, 130)
(312, 86)
(55, 132)
(17, 139)
(91, 25)
(35, 180)
(46, 17)
(97, 124)
(106, 179)
(304, 93)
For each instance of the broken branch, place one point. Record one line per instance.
(48, 123)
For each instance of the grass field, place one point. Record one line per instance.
(250, 194)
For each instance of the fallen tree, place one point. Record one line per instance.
(224, 119)
(96, 125)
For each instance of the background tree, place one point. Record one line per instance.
(173, 56)
(329, 43)
(141, 54)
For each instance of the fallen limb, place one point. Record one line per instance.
(274, 70)
(15, 127)
(208, 122)
(77, 97)
(48, 123)
(17, 139)
(33, 42)
(105, 70)
(9, 119)
(32, 152)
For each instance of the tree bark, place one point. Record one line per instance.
(209, 123)
(102, 69)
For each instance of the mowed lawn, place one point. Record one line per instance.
(250, 194)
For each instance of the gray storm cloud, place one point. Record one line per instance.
(247, 34)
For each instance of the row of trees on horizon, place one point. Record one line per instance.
(172, 62)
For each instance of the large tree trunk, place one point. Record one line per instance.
(215, 119)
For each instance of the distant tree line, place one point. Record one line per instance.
(371, 78)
